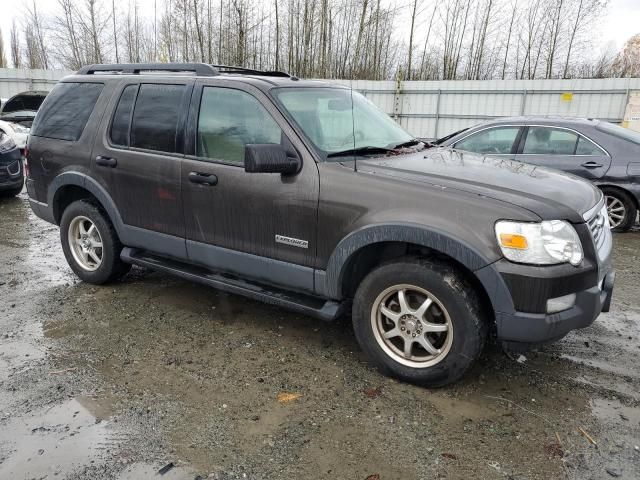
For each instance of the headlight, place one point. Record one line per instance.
(545, 243)
(6, 143)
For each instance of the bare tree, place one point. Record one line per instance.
(3, 56)
(449, 39)
(14, 46)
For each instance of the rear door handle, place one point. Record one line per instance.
(106, 161)
(591, 165)
(208, 179)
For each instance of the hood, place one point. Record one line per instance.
(550, 194)
(29, 101)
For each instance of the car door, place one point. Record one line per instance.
(138, 158)
(258, 225)
(563, 149)
(499, 141)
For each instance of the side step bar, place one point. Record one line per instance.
(305, 304)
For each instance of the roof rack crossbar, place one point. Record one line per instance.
(250, 71)
(200, 69)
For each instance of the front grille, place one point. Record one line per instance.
(600, 230)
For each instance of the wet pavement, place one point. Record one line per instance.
(153, 374)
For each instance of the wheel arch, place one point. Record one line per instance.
(361, 251)
(618, 188)
(70, 186)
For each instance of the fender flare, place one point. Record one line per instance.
(92, 186)
(329, 283)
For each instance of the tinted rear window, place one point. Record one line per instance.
(66, 110)
(155, 117)
(122, 116)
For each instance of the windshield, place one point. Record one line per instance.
(619, 131)
(328, 120)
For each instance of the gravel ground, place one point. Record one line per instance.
(151, 373)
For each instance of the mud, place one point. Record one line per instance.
(117, 382)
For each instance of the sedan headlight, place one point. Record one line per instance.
(545, 243)
(6, 143)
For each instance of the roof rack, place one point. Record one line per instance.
(200, 69)
(250, 71)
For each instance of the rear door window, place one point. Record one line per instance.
(122, 117)
(587, 147)
(498, 140)
(550, 141)
(66, 110)
(156, 117)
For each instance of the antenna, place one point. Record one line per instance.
(353, 126)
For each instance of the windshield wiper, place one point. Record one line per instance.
(409, 143)
(360, 151)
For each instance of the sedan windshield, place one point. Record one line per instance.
(342, 123)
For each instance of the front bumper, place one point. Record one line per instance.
(524, 327)
(11, 172)
(520, 293)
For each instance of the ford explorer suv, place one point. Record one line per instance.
(303, 195)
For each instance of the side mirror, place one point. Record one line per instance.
(270, 158)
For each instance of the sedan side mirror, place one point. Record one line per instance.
(270, 158)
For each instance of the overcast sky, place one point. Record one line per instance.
(620, 22)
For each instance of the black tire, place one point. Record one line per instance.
(455, 294)
(111, 267)
(630, 210)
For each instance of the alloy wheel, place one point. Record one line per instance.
(85, 243)
(616, 210)
(412, 326)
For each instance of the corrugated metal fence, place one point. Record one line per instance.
(16, 80)
(432, 109)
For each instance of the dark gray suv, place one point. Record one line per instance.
(302, 194)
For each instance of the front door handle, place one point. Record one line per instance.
(106, 161)
(591, 165)
(208, 179)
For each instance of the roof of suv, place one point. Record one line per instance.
(259, 78)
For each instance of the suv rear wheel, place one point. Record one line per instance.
(420, 321)
(90, 244)
(621, 209)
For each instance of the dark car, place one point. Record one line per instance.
(21, 109)
(11, 174)
(302, 194)
(604, 153)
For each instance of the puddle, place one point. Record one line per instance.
(52, 442)
(613, 412)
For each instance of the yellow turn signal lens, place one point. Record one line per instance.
(510, 240)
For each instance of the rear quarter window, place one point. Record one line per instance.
(66, 110)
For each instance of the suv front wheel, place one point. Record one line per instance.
(90, 243)
(420, 321)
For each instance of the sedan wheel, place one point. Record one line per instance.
(616, 210)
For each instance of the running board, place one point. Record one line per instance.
(306, 304)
